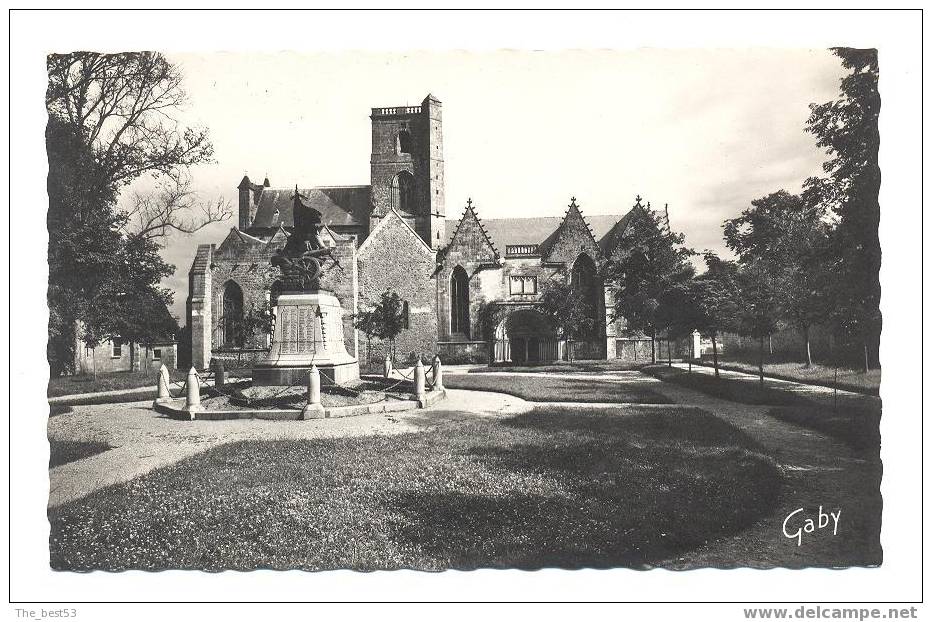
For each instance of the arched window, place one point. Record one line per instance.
(231, 317)
(585, 286)
(403, 142)
(459, 302)
(403, 193)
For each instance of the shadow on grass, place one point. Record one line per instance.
(632, 490)
(555, 487)
(554, 389)
(63, 452)
(859, 428)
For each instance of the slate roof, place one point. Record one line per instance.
(514, 231)
(338, 205)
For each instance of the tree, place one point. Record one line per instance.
(648, 264)
(130, 304)
(110, 122)
(119, 107)
(790, 234)
(712, 301)
(847, 128)
(367, 321)
(759, 310)
(571, 313)
(385, 320)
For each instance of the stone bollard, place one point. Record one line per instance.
(313, 409)
(438, 374)
(387, 367)
(419, 381)
(164, 395)
(193, 401)
(220, 374)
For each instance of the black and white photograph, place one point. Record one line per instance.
(612, 309)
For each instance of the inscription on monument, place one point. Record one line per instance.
(305, 330)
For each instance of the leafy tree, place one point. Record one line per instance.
(712, 301)
(110, 122)
(759, 311)
(648, 265)
(367, 321)
(847, 128)
(790, 234)
(257, 320)
(385, 320)
(570, 310)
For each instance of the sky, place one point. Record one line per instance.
(705, 131)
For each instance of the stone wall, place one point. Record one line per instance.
(133, 357)
(395, 258)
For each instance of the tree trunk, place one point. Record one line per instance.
(669, 356)
(132, 356)
(653, 347)
(760, 360)
(715, 353)
(808, 347)
(867, 363)
(770, 340)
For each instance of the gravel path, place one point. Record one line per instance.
(144, 440)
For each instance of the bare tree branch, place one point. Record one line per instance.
(173, 206)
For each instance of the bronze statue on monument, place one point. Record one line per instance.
(309, 320)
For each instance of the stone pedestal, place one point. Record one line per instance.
(308, 332)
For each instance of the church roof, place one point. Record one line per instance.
(518, 231)
(338, 205)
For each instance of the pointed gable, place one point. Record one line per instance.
(470, 242)
(571, 238)
(238, 243)
(392, 227)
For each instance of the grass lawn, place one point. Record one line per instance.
(565, 366)
(857, 427)
(551, 389)
(549, 488)
(740, 391)
(112, 381)
(63, 452)
(823, 375)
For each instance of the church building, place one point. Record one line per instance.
(394, 235)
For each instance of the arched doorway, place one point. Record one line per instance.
(403, 200)
(459, 303)
(231, 317)
(525, 336)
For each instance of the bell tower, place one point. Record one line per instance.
(407, 168)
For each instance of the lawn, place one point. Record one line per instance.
(740, 391)
(564, 366)
(823, 375)
(552, 389)
(857, 427)
(112, 381)
(549, 488)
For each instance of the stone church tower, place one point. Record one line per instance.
(407, 168)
